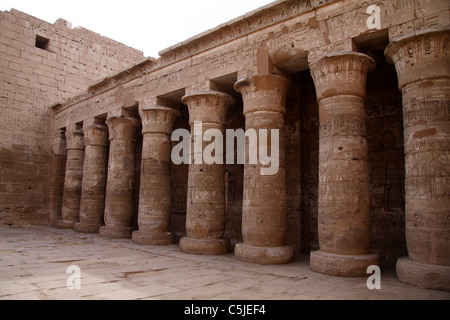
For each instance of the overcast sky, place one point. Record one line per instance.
(149, 26)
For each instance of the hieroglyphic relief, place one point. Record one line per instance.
(73, 177)
(386, 158)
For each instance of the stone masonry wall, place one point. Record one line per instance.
(42, 63)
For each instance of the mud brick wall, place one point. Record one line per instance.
(41, 64)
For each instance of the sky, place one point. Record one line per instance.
(149, 26)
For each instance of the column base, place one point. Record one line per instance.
(153, 238)
(342, 264)
(428, 276)
(115, 232)
(264, 255)
(204, 247)
(86, 228)
(65, 224)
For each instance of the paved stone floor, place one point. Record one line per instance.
(34, 262)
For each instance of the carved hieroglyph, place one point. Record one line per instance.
(423, 68)
(73, 177)
(119, 201)
(344, 184)
(264, 200)
(155, 207)
(92, 204)
(205, 212)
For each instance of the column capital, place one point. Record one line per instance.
(341, 74)
(158, 119)
(420, 57)
(122, 126)
(263, 92)
(95, 132)
(207, 106)
(59, 142)
(74, 137)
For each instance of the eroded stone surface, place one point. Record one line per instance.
(424, 77)
(35, 260)
(92, 203)
(344, 183)
(205, 211)
(264, 201)
(322, 196)
(155, 205)
(73, 178)
(120, 197)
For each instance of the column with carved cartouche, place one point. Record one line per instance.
(123, 127)
(155, 203)
(264, 216)
(205, 212)
(344, 184)
(73, 177)
(92, 204)
(423, 68)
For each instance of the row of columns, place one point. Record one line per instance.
(344, 184)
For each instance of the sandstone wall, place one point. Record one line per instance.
(34, 74)
(283, 39)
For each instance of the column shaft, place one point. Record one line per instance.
(264, 202)
(344, 183)
(423, 69)
(57, 183)
(155, 203)
(205, 212)
(73, 178)
(119, 201)
(92, 204)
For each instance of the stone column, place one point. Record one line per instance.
(264, 216)
(119, 201)
(205, 212)
(73, 176)
(423, 69)
(58, 171)
(155, 205)
(344, 183)
(92, 204)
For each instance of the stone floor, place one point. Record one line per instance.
(34, 262)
